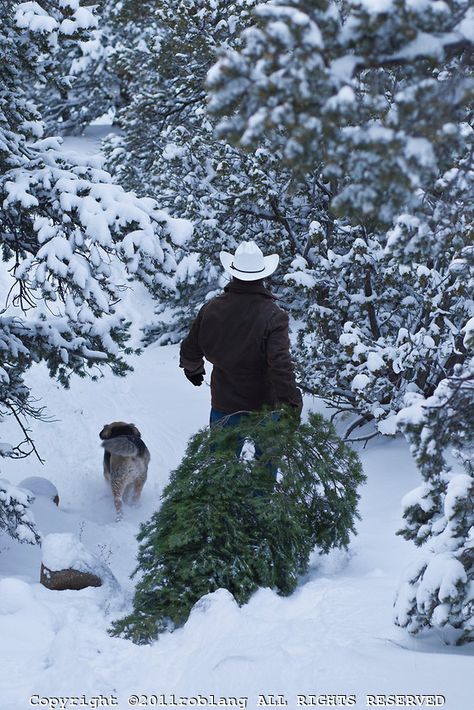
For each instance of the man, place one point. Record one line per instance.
(244, 334)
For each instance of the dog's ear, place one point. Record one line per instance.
(135, 430)
(106, 432)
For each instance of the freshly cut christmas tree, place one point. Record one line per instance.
(225, 522)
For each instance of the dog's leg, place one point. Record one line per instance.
(137, 490)
(107, 466)
(117, 492)
(118, 508)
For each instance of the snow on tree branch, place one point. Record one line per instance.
(15, 517)
(69, 235)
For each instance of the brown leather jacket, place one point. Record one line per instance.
(244, 334)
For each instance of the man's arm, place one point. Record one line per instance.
(191, 356)
(280, 367)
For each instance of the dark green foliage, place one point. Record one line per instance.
(222, 526)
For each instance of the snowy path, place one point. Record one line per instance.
(334, 635)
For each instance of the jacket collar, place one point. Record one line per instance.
(254, 287)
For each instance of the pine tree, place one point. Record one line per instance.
(167, 148)
(78, 81)
(69, 237)
(360, 99)
(15, 517)
(380, 97)
(439, 514)
(221, 524)
(326, 152)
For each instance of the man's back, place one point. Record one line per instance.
(244, 334)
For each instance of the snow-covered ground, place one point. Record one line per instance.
(334, 635)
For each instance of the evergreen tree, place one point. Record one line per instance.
(376, 102)
(78, 81)
(439, 515)
(221, 524)
(68, 236)
(381, 97)
(167, 148)
(327, 152)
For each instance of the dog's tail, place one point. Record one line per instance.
(121, 446)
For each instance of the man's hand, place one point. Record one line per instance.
(197, 379)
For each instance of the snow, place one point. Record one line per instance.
(14, 595)
(468, 331)
(343, 67)
(172, 151)
(418, 496)
(187, 268)
(376, 6)
(39, 486)
(458, 487)
(180, 230)
(375, 362)
(64, 551)
(443, 573)
(415, 410)
(334, 634)
(423, 45)
(31, 16)
(19, 519)
(81, 19)
(281, 28)
(388, 426)
(17, 192)
(422, 150)
(5, 448)
(360, 382)
(466, 26)
(300, 278)
(345, 95)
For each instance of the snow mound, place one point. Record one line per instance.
(40, 486)
(62, 551)
(14, 595)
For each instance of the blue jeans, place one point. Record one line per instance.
(233, 420)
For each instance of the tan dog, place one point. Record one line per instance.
(126, 460)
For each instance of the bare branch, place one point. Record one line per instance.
(27, 440)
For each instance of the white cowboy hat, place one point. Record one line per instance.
(248, 262)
